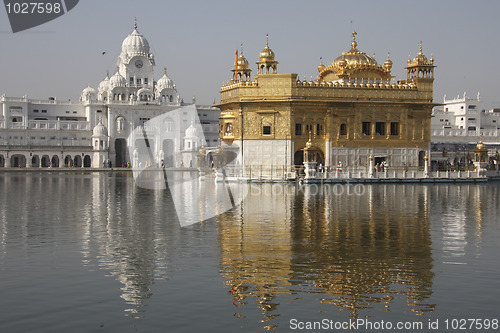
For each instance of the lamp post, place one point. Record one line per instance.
(426, 166)
(309, 159)
(370, 167)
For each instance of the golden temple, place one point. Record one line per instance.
(354, 109)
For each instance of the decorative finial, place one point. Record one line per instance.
(107, 74)
(420, 47)
(321, 60)
(242, 49)
(353, 43)
(165, 70)
(388, 55)
(267, 40)
(135, 23)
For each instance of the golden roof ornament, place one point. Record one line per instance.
(388, 62)
(353, 43)
(267, 53)
(135, 23)
(480, 145)
(321, 67)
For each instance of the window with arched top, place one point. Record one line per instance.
(169, 125)
(120, 124)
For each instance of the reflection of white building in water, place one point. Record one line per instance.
(87, 133)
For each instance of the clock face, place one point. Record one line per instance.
(138, 63)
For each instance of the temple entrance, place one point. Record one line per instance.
(380, 163)
(121, 152)
(298, 158)
(316, 156)
(168, 150)
(421, 155)
(86, 161)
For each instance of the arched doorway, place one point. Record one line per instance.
(35, 161)
(121, 152)
(55, 161)
(2, 161)
(316, 155)
(77, 161)
(421, 160)
(68, 161)
(18, 160)
(45, 161)
(168, 150)
(87, 161)
(298, 158)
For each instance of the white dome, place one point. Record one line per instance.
(135, 44)
(104, 85)
(165, 82)
(88, 90)
(100, 130)
(191, 132)
(88, 94)
(117, 80)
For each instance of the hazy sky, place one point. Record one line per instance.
(196, 41)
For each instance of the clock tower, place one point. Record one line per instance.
(135, 62)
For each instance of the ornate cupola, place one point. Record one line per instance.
(420, 67)
(267, 63)
(241, 72)
(355, 64)
(420, 72)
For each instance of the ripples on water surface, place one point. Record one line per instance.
(94, 252)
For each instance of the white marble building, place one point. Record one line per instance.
(94, 130)
(459, 124)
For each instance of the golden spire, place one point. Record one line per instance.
(353, 43)
(135, 23)
(267, 40)
(165, 70)
(241, 50)
(420, 51)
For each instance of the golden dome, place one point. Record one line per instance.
(420, 59)
(355, 64)
(388, 63)
(480, 146)
(321, 67)
(267, 53)
(242, 61)
(354, 58)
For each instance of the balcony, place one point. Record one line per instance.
(59, 125)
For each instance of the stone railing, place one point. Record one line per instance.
(59, 125)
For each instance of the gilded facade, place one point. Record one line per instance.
(352, 110)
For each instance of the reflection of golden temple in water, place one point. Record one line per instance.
(353, 251)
